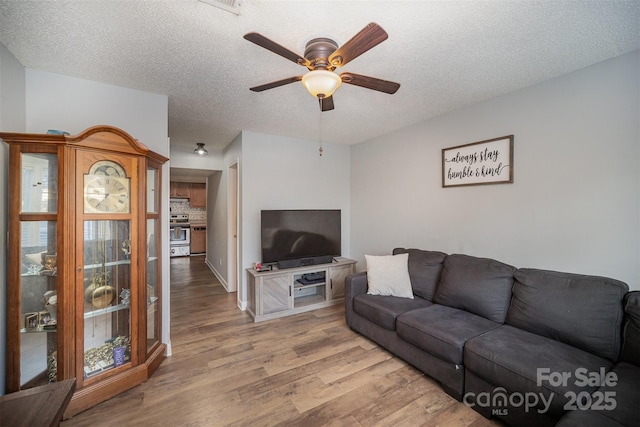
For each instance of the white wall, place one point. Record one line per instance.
(219, 232)
(184, 157)
(12, 119)
(216, 226)
(12, 93)
(575, 202)
(54, 101)
(286, 173)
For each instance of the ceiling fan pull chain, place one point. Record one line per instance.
(320, 150)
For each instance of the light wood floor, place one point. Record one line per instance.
(307, 370)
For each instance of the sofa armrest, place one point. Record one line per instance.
(354, 285)
(631, 329)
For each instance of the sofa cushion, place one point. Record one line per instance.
(631, 331)
(442, 330)
(479, 285)
(389, 275)
(425, 268)
(627, 394)
(583, 311)
(511, 358)
(383, 310)
(587, 419)
(619, 404)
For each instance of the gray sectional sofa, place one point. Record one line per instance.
(530, 347)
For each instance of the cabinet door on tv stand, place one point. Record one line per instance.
(275, 293)
(338, 276)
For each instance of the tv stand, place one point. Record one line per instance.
(283, 292)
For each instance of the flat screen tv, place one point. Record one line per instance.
(295, 238)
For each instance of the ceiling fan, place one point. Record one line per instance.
(322, 56)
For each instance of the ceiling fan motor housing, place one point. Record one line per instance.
(318, 51)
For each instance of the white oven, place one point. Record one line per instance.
(179, 235)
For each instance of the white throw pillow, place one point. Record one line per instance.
(389, 275)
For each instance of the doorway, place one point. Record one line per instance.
(234, 232)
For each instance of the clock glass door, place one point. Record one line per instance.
(107, 295)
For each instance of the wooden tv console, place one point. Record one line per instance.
(279, 293)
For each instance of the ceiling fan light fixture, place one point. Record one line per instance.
(200, 150)
(321, 83)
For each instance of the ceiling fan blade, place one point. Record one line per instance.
(276, 84)
(326, 104)
(370, 36)
(274, 47)
(370, 83)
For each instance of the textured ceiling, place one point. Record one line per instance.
(445, 55)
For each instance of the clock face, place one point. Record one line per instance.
(106, 189)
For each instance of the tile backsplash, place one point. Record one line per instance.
(182, 207)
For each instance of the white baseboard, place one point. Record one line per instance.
(217, 274)
(242, 305)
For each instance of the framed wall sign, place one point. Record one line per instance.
(484, 162)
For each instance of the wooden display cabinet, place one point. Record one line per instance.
(84, 263)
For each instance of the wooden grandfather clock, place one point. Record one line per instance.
(84, 263)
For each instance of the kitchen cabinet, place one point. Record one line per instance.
(180, 190)
(196, 192)
(84, 266)
(198, 195)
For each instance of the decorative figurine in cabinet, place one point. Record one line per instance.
(84, 270)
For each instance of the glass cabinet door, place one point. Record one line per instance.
(152, 283)
(39, 192)
(152, 190)
(107, 295)
(38, 303)
(153, 259)
(37, 291)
